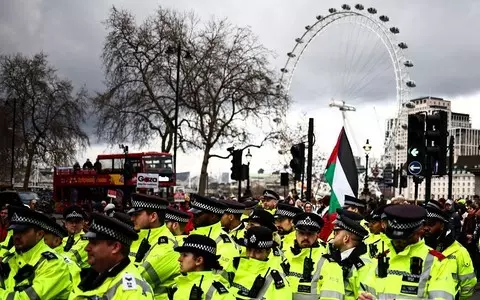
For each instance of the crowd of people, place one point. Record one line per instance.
(211, 248)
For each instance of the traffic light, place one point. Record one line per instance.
(236, 165)
(298, 160)
(436, 134)
(388, 175)
(416, 144)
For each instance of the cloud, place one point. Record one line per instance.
(441, 36)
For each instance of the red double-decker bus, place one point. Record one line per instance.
(84, 186)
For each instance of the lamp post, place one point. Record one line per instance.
(178, 50)
(248, 156)
(12, 163)
(367, 148)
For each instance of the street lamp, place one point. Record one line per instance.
(12, 162)
(249, 159)
(367, 148)
(171, 50)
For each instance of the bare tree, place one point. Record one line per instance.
(138, 104)
(226, 87)
(49, 114)
(230, 89)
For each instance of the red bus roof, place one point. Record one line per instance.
(138, 154)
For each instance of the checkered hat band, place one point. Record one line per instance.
(260, 244)
(148, 205)
(353, 203)
(285, 213)
(206, 248)
(207, 207)
(269, 195)
(308, 223)
(175, 218)
(339, 223)
(434, 205)
(394, 224)
(97, 228)
(234, 211)
(432, 215)
(74, 214)
(54, 231)
(27, 221)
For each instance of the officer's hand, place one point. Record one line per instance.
(366, 296)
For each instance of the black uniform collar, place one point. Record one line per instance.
(442, 242)
(355, 255)
(92, 279)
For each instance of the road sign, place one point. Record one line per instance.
(415, 168)
(414, 152)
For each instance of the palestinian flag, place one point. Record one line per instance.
(341, 173)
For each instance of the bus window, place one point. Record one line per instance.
(135, 162)
(153, 164)
(107, 164)
(118, 164)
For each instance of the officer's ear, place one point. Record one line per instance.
(199, 260)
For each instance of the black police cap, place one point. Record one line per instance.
(104, 227)
(175, 215)
(74, 212)
(403, 220)
(200, 245)
(258, 237)
(350, 221)
(308, 222)
(56, 229)
(286, 211)
(23, 218)
(263, 218)
(233, 207)
(142, 202)
(200, 204)
(270, 194)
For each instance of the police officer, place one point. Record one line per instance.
(261, 217)
(439, 236)
(311, 273)
(201, 272)
(207, 213)
(231, 219)
(176, 220)
(54, 234)
(284, 221)
(73, 245)
(411, 269)
(354, 259)
(250, 205)
(253, 276)
(33, 271)
(357, 206)
(155, 256)
(270, 200)
(376, 240)
(112, 275)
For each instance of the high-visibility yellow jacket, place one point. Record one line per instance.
(7, 244)
(35, 274)
(417, 272)
(326, 280)
(123, 283)
(459, 264)
(247, 270)
(288, 241)
(159, 266)
(226, 246)
(213, 285)
(376, 244)
(77, 253)
(356, 269)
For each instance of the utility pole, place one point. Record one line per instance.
(450, 166)
(309, 159)
(428, 177)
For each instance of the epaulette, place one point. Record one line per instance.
(277, 279)
(329, 257)
(437, 254)
(225, 238)
(358, 263)
(163, 240)
(276, 251)
(49, 255)
(236, 261)
(221, 289)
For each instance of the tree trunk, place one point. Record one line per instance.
(203, 172)
(28, 170)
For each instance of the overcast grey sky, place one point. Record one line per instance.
(442, 36)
